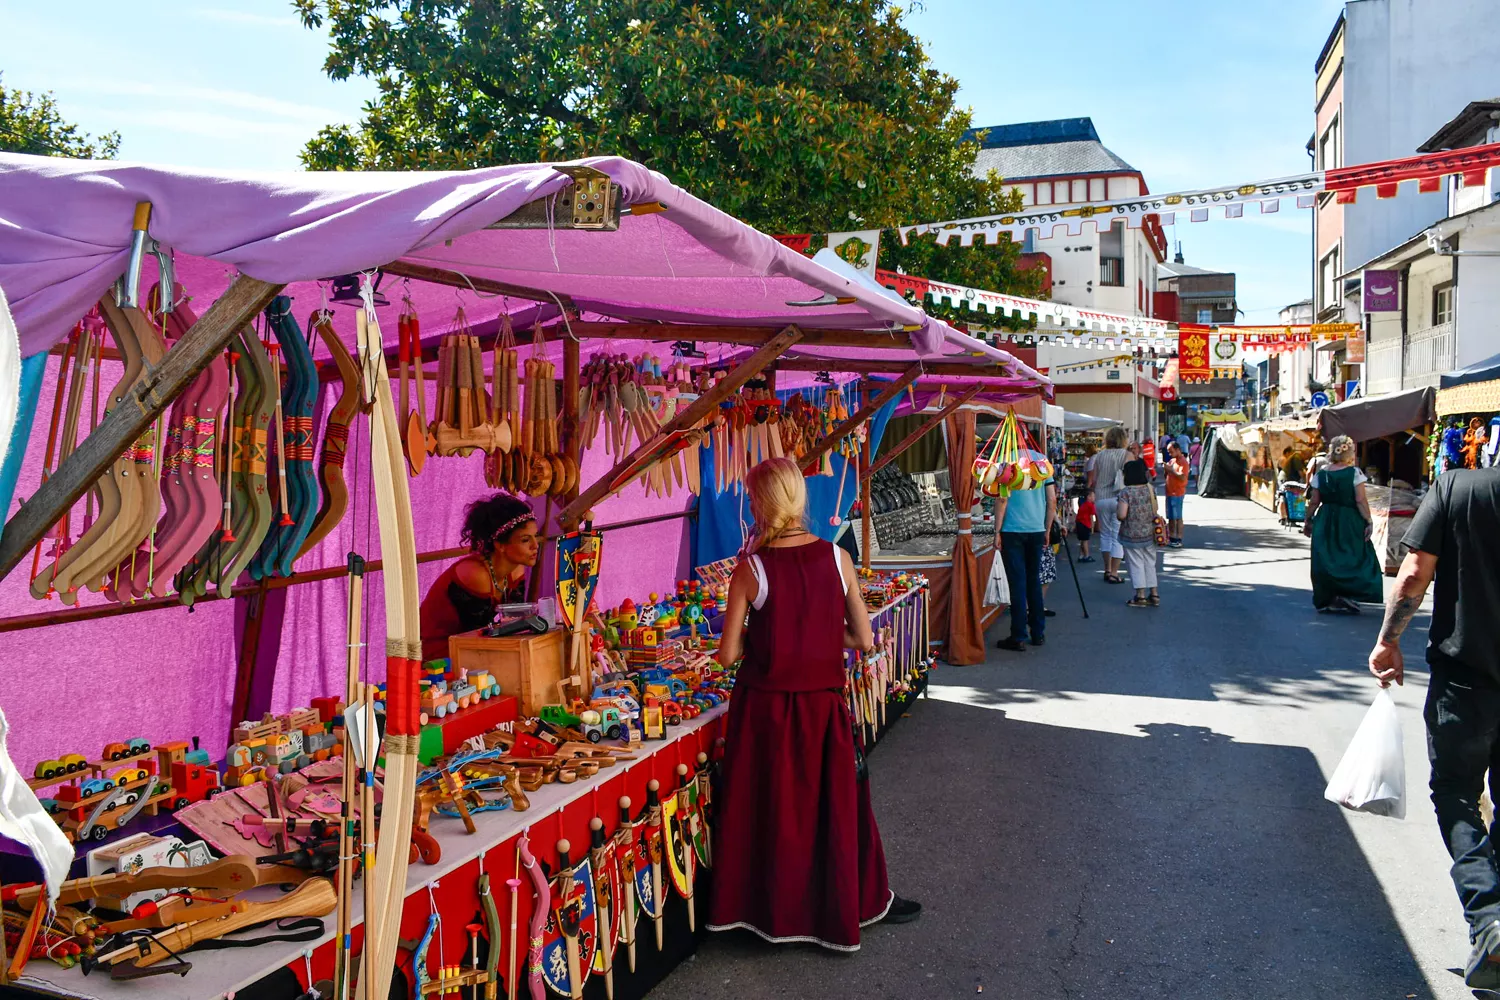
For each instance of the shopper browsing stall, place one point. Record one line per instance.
(1026, 518)
(501, 533)
(1136, 509)
(798, 852)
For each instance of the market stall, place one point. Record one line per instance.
(1084, 436)
(1265, 447)
(216, 475)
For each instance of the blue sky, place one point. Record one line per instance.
(1191, 94)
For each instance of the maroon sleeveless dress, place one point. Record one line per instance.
(797, 853)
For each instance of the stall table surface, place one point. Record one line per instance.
(222, 973)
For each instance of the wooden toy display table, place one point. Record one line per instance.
(557, 811)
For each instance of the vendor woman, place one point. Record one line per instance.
(797, 853)
(501, 534)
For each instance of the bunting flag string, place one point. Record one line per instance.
(1428, 170)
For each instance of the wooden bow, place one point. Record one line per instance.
(335, 434)
(403, 660)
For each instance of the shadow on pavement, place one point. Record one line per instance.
(1070, 863)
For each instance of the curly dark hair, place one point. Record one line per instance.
(484, 519)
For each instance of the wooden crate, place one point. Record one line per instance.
(527, 667)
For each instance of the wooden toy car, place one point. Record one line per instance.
(130, 748)
(436, 702)
(601, 723)
(129, 774)
(672, 713)
(558, 715)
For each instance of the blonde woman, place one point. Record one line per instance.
(1344, 568)
(798, 853)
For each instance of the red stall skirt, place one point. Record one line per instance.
(797, 854)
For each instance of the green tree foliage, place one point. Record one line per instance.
(31, 123)
(814, 115)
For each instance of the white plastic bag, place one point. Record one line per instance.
(997, 588)
(1371, 777)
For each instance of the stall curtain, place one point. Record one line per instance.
(719, 532)
(965, 608)
(927, 454)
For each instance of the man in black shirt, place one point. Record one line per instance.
(1455, 538)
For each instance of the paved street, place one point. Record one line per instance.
(1136, 810)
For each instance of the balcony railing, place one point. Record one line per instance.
(1429, 353)
(1112, 271)
(1383, 367)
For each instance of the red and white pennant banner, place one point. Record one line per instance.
(1428, 170)
(1050, 316)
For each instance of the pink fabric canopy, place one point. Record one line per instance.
(169, 674)
(68, 234)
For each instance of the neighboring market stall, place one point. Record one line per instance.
(218, 444)
(1083, 436)
(1265, 449)
(1392, 432)
(1223, 472)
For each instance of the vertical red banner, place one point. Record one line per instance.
(1192, 354)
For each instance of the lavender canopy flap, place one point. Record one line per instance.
(68, 235)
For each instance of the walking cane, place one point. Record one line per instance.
(1069, 550)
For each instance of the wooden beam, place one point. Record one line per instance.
(926, 428)
(706, 334)
(892, 367)
(457, 279)
(571, 441)
(150, 395)
(700, 408)
(891, 391)
(866, 515)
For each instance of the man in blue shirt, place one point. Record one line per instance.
(1025, 518)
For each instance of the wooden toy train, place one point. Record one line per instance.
(91, 798)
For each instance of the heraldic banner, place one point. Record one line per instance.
(1193, 364)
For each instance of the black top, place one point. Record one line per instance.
(1459, 522)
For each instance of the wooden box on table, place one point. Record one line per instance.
(527, 666)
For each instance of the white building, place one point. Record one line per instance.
(1447, 276)
(1063, 163)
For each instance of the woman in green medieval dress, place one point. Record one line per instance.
(1344, 568)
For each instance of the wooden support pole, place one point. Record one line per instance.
(244, 674)
(865, 412)
(866, 525)
(572, 441)
(127, 421)
(700, 408)
(927, 427)
(456, 279)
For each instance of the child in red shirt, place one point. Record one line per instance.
(1084, 527)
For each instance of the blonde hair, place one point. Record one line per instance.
(1341, 449)
(1114, 437)
(778, 500)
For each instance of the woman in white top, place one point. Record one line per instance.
(1106, 479)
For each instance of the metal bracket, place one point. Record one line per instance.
(591, 202)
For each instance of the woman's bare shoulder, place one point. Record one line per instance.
(471, 575)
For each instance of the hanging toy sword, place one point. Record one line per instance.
(654, 845)
(569, 918)
(625, 847)
(604, 901)
(687, 825)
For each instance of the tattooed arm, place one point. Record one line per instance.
(1416, 574)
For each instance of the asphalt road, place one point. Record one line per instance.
(1136, 809)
